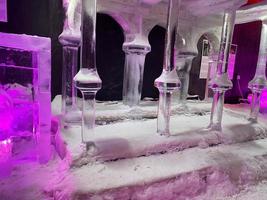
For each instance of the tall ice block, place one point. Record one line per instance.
(25, 77)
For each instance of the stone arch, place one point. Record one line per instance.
(121, 20)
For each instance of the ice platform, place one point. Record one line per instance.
(132, 132)
(191, 164)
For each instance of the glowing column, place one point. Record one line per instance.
(168, 80)
(87, 79)
(259, 82)
(221, 82)
(135, 51)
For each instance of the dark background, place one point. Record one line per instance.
(45, 18)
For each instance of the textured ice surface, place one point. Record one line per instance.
(133, 78)
(87, 76)
(27, 63)
(25, 74)
(216, 173)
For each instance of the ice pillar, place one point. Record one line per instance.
(259, 82)
(183, 72)
(168, 80)
(87, 79)
(221, 82)
(70, 43)
(187, 50)
(135, 51)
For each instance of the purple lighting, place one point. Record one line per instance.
(263, 102)
(6, 116)
(5, 150)
(25, 107)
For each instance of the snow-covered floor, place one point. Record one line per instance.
(133, 162)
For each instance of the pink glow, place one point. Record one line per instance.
(5, 150)
(6, 116)
(264, 100)
(263, 105)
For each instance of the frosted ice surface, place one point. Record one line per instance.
(169, 77)
(25, 76)
(73, 16)
(87, 76)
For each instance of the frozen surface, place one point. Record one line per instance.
(213, 173)
(114, 111)
(28, 61)
(132, 137)
(219, 172)
(25, 76)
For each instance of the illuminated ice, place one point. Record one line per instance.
(6, 118)
(135, 51)
(25, 76)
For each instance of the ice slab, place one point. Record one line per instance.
(25, 79)
(212, 173)
(216, 172)
(114, 111)
(133, 138)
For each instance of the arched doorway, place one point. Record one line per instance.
(109, 57)
(153, 62)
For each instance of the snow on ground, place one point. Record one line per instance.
(227, 166)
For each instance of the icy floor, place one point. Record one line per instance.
(132, 137)
(217, 173)
(198, 164)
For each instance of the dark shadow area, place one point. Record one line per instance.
(247, 38)
(109, 57)
(153, 62)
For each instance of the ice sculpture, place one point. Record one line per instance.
(259, 82)
(87, 79)
(221, 82)
(183, 72)
(135, 51)
(6, 117)
(187, 50)
(168, 80)
(70, 40)
(25, 76)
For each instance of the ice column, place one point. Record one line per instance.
(187, 50)
(183, 72)
(87, 79)
(135, 51)
(221, 82)
(70, 43)
(168, 80)
(259, 82)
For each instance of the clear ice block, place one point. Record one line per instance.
(25, 76)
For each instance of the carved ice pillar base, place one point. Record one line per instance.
(135, 51)
(259, 82)
(221, 82)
